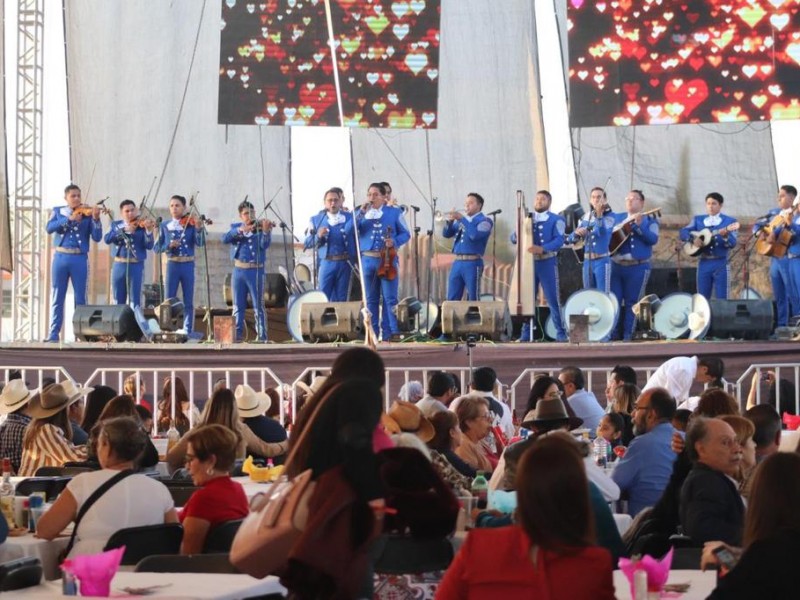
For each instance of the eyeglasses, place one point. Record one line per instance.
(554, 396)
(188, 458)
(639, 407)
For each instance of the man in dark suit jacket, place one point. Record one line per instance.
(711, 507)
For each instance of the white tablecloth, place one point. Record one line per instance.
(251, 488)
(702, 584)
(29, 546)
(184, 586)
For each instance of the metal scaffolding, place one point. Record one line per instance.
(27, 305)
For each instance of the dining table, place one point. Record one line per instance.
(701, 584)
(30, 546)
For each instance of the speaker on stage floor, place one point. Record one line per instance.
(741, 319)
(663, 281)
(94, 322)
(570, 274)
(331, 321)
(276, 293)
(487, 319)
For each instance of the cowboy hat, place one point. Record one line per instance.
(15, 395)
(315, 386)
(549, 410)
(73, 390)
(406, 416)
(250, 402)
(51, 400)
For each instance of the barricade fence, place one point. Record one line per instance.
(777, 384)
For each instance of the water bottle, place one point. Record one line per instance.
(480, 489)
(173, 435)
(640, 584)
(600, 451)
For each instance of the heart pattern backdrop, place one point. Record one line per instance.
(276, 67)
(634, 62)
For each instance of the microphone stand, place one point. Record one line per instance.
(207, 316)
(494, 257)
(430, 253)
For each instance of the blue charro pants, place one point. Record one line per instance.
(244, 282)
(465, 274)
(713, 274)
(783, 290)
(334, 279)
(628, 283)
(125, 278)
(377, 287)
(66, 267)
(597, 274)
(182, 273)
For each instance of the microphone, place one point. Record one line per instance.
(103, 201)
(415, 208)
(495, 212)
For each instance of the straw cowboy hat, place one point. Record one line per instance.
(549, 410)
(74, 390)
(315, 386)
(51, 400)
(250, 402)
(15, 395)
(407, 417)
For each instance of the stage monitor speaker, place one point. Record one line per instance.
(487, 319)
(741, 319)
(276, 293)
(331, 321)
(95, 322)
(570, 274)
(663, 281)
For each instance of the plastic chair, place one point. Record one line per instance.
(180, 495)
(51, 486)
(147, 540)
(220, 538)
(20, 573)
(404, 554)
(61, 471)
(192, 563)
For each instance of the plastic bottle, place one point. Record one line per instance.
(6, 487)
(640, 584)
(172, 435)
(480, 489)
(600, 451)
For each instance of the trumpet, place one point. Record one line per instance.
(452, 215)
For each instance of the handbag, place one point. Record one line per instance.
(263, 542)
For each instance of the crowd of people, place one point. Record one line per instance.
(705, 480)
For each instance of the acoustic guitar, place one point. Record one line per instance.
(705, 236)
(622, 231)
(779, 247)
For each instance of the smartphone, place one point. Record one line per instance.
(765, 376)
(725, 557)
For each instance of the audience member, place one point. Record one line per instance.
(48, 437)
(767, 436)
(484, 382)
(406, 417)
(176, 407)
(134, 501)
(124, 406)
(582, 401)
(411, 391)
(210, 454)
(680, 420)
(441, 392)
(75, 412)
(251, 406)
(610, 429)
(553, 541)
(475, 421)
(744, 430)
(678, 374)
(15, 403)
(645, 469)
(624, 397)
(135, 387)
(95, 403)
(783, 390)
(715, 402)
(711, 506)
(768, 557)
(620, 374)
(146, 417)
(446, 438)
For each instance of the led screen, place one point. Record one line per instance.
(276, 67)
(634, 62)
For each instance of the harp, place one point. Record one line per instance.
(521, 293)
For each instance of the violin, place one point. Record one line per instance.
(263, 223)
(86, 211)
(387, 270)
(141, 223)
(188, 220)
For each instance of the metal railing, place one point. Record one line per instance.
(35, 376)
(776, 372)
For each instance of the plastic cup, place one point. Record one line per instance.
(467, 504)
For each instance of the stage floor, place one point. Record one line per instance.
(287, 360)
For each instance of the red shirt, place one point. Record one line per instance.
(219, 500)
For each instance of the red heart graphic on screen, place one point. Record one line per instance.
(688, 93)
(696, 62)
(630, 89)
(321, 97)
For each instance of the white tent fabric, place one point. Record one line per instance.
(127, 67)
(6, 260)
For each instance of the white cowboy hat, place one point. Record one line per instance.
(15, 395)
(51, 400)
(250, 402)
(315, 386)
(73, 390)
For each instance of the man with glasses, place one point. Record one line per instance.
(644, 471)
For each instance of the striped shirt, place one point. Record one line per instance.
(12, 432)
(50, 448)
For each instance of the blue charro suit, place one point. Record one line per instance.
(249, 252)
(335, 251)
(630, 268)
(548, 232)
(713, 270)
(780, 274)
(180, 263)
(471, 235)
(597, 260)
(373, 227)
(71, 243)
(129, 251)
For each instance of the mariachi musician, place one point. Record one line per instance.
(548, 238)
(713, 270)
(381, 231)
(783, 290)
(792, 219)
(595, 230)
(630, 264)
(130, 238)
(73, 225)
(249, 240)
(471, 232)
(336, 248)
(178, 238)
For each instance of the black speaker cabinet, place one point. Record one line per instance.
(276, 293)
(664, 281)
(331, 321)
(570, 274)
(487, 319)
(93, 322)
(741, 319)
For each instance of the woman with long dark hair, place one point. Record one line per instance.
(553, 541)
